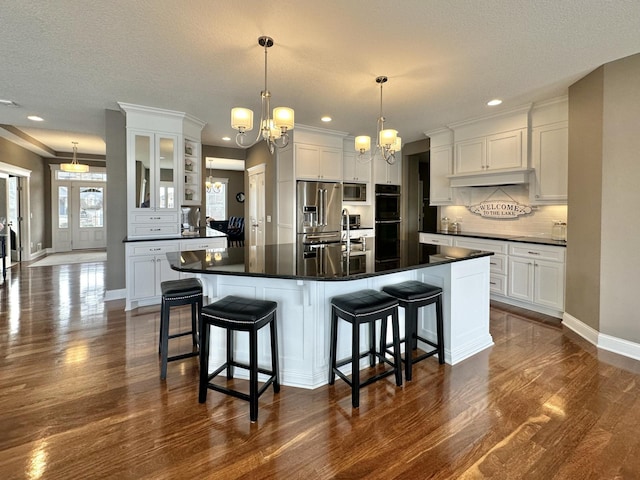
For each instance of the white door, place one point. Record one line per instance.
(88, 217)
(4, 221)
(14, 218)
(256, 206)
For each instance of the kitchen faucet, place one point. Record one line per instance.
(345, 216)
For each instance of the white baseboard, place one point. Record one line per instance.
(602, 340)
(115, 294)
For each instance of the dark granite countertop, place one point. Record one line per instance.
(326, 263)
(198, 233)
(507, 237)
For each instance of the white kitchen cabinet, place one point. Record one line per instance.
(192, 192)
(383, 173)
(440, 163)
(146, 268)
(497, 262)
(500, 151)
(435, 239)
(315, 162)
(203, 243)
(160, 145)
(550, 159)
(355, 170)
(536, 275)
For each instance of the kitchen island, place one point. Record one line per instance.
(303, 281)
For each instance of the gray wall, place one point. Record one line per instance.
(603, 259)
(39, 187)
(582, 295)
(116, 140)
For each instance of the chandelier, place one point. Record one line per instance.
(387, 140)
(272, 130)
(74, 166)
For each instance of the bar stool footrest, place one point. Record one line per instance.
(183, 356)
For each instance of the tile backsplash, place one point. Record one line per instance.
(538, 223)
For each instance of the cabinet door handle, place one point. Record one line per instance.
(492, 283)
(492, 263)
(533, 253)
(155, 229)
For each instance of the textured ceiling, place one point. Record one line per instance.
(67, 61)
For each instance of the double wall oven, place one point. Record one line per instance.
(387, 209)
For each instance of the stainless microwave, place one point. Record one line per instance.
(354, 192)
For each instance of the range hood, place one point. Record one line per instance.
(505, 177)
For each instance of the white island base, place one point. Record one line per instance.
(304, 311)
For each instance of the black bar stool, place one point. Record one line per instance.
(357, 308)
(412, 295)
(187, 291)
(239, 314)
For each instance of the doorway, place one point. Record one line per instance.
(14, 218)
(14, 215)
(78, 210)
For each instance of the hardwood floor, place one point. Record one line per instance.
(81, 397)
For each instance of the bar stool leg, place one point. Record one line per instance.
(194, 323)
(204, 362)
(355, 363)
(440, 327)
(411, 342)
(372, 344)
(253, 375)
(164, 335)
(275, 363)
(230, 335)
(396, 347)
(334, 346)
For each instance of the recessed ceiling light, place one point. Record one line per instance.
(226, 139)
(35, 118)
(494, 102)
(8, 103)
(326, 118)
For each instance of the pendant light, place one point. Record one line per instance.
(273, 130)
(387, 140)
(74, 166)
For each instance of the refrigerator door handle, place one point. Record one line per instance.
(324, 206)
(320, 208)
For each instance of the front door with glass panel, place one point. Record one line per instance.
(88, 220)
(79, 217)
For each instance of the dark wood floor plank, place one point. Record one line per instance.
(81, 397)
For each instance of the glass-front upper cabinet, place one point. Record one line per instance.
(155, 171)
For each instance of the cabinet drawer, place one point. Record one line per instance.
(498, 263)
(498, 284)
(541, 252)
(153, 217)
(434, 239)
(155, 230)
(494, 246)
(150, 249)
(203, 244)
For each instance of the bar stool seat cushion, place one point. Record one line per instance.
(363, 302)
(235, 311)
(413, 291)
(182, 287)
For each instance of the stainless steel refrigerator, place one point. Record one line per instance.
(319, 210)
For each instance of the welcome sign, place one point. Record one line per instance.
(500, 209)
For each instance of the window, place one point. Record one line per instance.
(63, 207)
(91, 207)
(217, 198)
